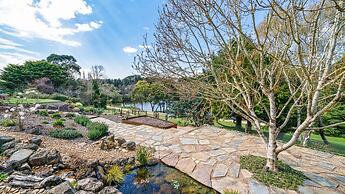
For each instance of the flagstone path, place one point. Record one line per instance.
(211, 156)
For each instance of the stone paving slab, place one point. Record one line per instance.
(211, 155)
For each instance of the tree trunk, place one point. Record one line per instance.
(272, 156)
(322, 132)
(306, 137)
(248, 127)
(238, 122)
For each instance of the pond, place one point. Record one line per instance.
(161, 179)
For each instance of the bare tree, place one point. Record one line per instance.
(264, 44)
(97, 72)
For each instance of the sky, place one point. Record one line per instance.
(95, 32)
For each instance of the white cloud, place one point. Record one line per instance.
(13, 58)
(129, 50)
(44, 19)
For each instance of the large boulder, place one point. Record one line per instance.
(8, 145)
(90, 184)
(44, 157)
(20, 157)
(63, 188)
(51, 181)
(5, 139)
(21, 180)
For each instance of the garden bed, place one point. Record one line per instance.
(150, 121)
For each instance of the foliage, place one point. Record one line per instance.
(56, 115)
(82, 120)
(70, 115)
(98, 100)
(43, 113)
(231, 192)
(14, 101)
(58, 123)
(145, 91)
(45, 122)
(17, 77)
(3, 176)
(67, 133)
(96, 130)
(68, 62)
(286, 177)
(115, 175)
(143, 155)
(59, 97)
(335, 115)
(7, 122)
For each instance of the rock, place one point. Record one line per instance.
(5, 139)
(84, 192)
(44, 157)
(19, 157)
(24, 181)
(120, 141)
(257, 188)
(100, 174)
(64, 107)
(8, 145)
(63, 188)
(25, 167)
(90, 184)
(36, 130)
(130, 145)
(51, 181)
(109, 190)
(36, 140)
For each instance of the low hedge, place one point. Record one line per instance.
(67, 133)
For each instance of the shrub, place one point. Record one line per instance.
(3, 176)
(43, 113)
(78, 104)
(56, 115)
(115, 175)
(60, 97)
(82, 120)
(7, 122)
(231, 192)
(143, 155)
(70, 115)
(96, 130)
(286, 177)
(67, 133)
(45, 122)
(58, 123)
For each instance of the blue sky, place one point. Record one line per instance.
(95, 32)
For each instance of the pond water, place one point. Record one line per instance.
(161, 179)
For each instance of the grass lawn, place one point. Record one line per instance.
(13, 101)
(336, 144)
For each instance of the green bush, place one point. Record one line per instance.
(78, 104)
(56, 115)
(58, 123)
(3, 176)
(82, 120)
(67, 133)
(96, 130)
(43, 113)
(70, 115)
(7, 122)
(60, 97)
(115, 175)
(286, 177)
(143, 155)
